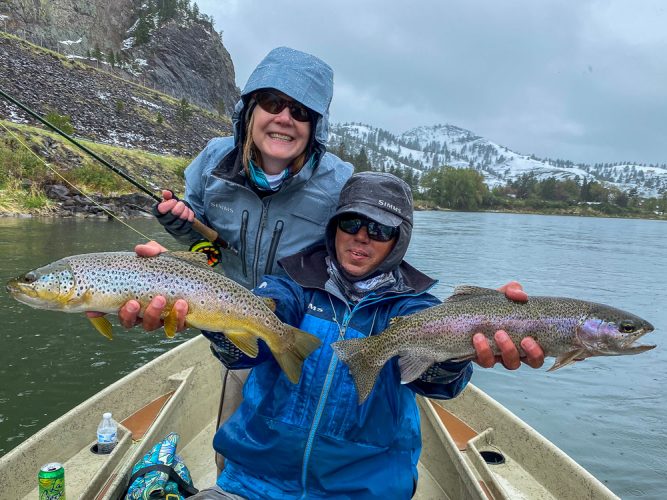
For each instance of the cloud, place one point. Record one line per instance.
(580, 80)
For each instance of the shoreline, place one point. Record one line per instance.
(121, 210)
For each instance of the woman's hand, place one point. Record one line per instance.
(177, 208)
(176, 216)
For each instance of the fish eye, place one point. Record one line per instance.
(30, 277)
(627, 326)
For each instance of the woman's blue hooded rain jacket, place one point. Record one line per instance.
(264, 229)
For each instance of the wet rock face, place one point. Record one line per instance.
(94, 21)
(192, 62)
(182, 58)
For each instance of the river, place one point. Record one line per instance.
(607, 413)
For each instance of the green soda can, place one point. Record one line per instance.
(51, 479)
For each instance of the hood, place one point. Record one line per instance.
(303, 77)
(381, 197)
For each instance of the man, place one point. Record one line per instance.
(313, 439)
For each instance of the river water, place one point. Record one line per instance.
(607, 413)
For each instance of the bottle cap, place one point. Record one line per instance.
(107, 415)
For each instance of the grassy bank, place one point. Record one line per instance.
(32, 158)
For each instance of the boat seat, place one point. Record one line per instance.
(460, 432)
(140, 421)
(231, 396)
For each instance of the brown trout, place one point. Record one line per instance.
(105, 281)
(568, 329)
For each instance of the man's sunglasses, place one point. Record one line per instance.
(273, 103)
(376, 231)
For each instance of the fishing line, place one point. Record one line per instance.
(212, 242)
(111, 214)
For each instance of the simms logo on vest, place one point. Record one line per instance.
(222, 207)
(388, 205)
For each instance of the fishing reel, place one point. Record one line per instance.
(210, 249)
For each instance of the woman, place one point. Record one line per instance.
(268, 190)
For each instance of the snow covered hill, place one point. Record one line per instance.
(423, 148)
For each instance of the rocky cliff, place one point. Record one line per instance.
(102, 106)
(178, 51)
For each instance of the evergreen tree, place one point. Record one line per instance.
(220, 107)
(361, 162)
(184, 112)
(97, 53)
(142, 32)
(111, 59)
(585, 192)
(166, 10)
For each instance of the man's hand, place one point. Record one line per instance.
(153, 248)
(509, 355)
(514, 291)
(150, 320)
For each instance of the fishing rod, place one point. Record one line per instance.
(208, 233)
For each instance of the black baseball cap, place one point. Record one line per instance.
(379, 196)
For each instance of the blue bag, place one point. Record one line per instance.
(161, 473)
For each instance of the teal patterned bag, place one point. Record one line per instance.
(161, 473)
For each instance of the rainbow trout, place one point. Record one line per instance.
(105, 281)
(568, 329)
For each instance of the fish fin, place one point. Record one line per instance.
(270, 303)
(395, 320)
(364, 367)
(412, 366)
(171, 323)
(103, 326)
(465, 292)
(243, 339)
(568, 358)
(196, 258)
(291, 361)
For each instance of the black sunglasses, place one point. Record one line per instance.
(375, 230)
(273, 103)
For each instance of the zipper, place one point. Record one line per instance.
(342, 328)
(275, 239)
(244, 242)
(258, 239)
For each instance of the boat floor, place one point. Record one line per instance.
(198, 455)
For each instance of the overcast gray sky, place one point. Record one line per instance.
(584, 80)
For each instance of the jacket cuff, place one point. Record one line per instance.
(230, 355)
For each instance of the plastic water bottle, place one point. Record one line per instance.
(107, 434)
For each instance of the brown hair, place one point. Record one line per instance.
(251, 152)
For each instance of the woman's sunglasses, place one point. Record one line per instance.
(273, 103)
(376, 231)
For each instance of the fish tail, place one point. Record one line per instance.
(362, 363)
(291, 360)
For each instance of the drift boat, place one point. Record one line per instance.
(473, 448)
